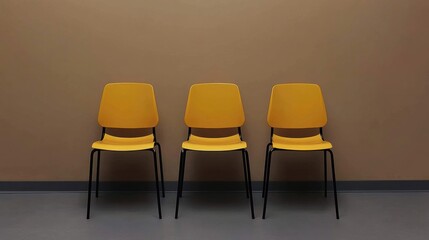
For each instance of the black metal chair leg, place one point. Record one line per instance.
(250, 184)
(179, 183)
(334, 183)
(183, 173)
(161, 169)
(157, 183)
(265, 169)
(88, 207)
(245, 174)
(98, 174)
(326, 173)
(267, 180)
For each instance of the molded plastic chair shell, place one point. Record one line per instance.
(214, 105)
(296, 105)
(128, 105)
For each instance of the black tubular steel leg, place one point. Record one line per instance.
(183, 173)
(265, 169)
(335, 183)
(250, 184)
(179, 187)
(245, 173)
(88, 207)
(326, 173)
(267, 180)
(179, 183)
(161, 169)
(157, 183)
(98, 174)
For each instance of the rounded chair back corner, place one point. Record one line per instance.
(296, 106)
(214, 105)
(128, 105)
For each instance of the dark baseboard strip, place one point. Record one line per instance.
(218, 186)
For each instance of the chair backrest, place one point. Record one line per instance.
(296, 106)
(214, 105)
(128, 105)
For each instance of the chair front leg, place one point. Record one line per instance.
(161, 168)
(250, 184)
(157, 183)
(267, 180)
(179, 182)
(91, 163)
(245, 172)
(97, 183)
(182, 181)
(326, 173)
(265, 168)
(334, 183)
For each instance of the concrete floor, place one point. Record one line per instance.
(129, 216)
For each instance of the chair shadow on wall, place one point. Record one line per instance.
(123, 177)
(291, 172)
(120, 192)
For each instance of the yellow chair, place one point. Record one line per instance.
(127, 106)
(297, 106)
(214, 106)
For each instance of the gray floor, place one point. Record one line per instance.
(128, 216)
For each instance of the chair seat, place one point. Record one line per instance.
(214, 144)
(113, 143)
(300, 144)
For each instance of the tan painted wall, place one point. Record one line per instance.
(370, 57)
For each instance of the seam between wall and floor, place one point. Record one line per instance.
(196, 186)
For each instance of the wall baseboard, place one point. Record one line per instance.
(413, 185)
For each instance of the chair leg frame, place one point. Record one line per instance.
(245, 174)
(157, 183)
(334, 182)
(267, 178)
(247, 177)
(97, 174)
(325, 171)
(88, 209)
(269, 145)
(91, 163)
(183, 171)
(180, 180)
(249, 180)
(161, 168)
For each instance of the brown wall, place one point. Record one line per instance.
(371, 59)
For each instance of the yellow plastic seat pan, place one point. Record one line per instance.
(300, 144)
(113, 143)
(229, 143)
